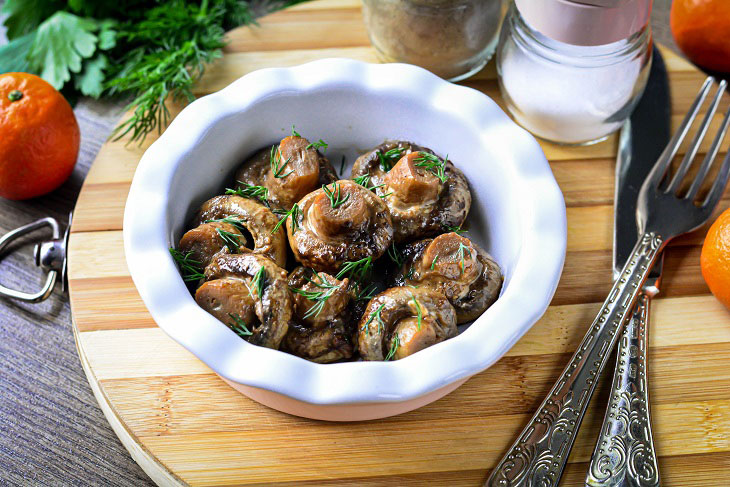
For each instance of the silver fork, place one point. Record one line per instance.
(540, 454)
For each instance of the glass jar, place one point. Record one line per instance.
(568, 93)
(451, 38)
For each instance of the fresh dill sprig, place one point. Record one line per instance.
(364, 181)
(250, 191)
(433, 262)
(239, 326)
(375, 315)
(294, 132)
(365, 293)
(395, 255)
(432, 163)
(294, 213)
(275, 162)
(418, 309)
(394, 344)
(456, 230)
(258, 283)
(334, 195)
(230, 240)
(236, 221)
(321, 144)
(391, 156)
(409, 274)
(192, 270)
(319, 297)
(356, 270)
(342, 165)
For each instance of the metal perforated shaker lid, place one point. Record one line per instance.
(586, 22)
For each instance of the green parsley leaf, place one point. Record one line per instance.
(90, 81)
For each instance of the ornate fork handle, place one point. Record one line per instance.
(539, 455)
(624, 454)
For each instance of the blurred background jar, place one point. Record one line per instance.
(451, 38)
(571, 71)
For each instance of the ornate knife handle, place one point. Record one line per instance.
(624, 454)
(539, 455)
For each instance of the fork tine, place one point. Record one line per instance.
(709, 158)
(660, 168)
(695, 145)
(718, 188)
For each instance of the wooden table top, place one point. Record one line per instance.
(53, 432)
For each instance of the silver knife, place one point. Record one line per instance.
(624, 453)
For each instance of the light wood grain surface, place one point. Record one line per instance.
(184, 425)
(51, 429)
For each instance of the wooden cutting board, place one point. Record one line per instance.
(184, 425)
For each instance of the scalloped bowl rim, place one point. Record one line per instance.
(533, 283)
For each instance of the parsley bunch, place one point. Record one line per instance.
(146, 51)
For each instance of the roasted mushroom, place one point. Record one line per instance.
(250, 293)
(206, 240)
(424, 193)
(288, 171)
(248, 216)
(456, 267)
(337, 223)
(401, 321)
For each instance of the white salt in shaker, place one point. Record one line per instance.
(571, 71)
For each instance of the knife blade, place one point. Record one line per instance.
(624, 456)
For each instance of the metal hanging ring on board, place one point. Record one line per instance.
(50, 255)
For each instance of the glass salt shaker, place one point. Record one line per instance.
(571, 71)
(451, 38)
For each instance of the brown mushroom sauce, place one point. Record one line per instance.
(235, 254)
(425, 194)
(288, 171)
(456, 267)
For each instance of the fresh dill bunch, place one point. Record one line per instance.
(250, 191)
(357, 270)
(230, 240)
(433, 163)
(394, 344)
(388, 159)
(294, 213)
(192, 270)
(239, 326)
(276, 165)
(334, 195)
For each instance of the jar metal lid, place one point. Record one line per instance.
(586, 22)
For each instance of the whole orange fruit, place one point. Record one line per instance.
(702, 31)
(39, 137)
(715, 258)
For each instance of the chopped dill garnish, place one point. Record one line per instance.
(375, 315)
(366, 293)
(433, 262)
(275, 162)
(462, 247)
(395, 255)
(294, 213)
(231, 240)
(418, 309)
(456, 230)
(342, 165)
(236, 221)
(320, 144)
(364, 181)
(294, 132)
(192, 270)
(319, 297)
(433, 163)
(356, 270)
(334, 195)
(250, 191)
(258, 283)
(394, 344)
(391, 156)
(239, 326)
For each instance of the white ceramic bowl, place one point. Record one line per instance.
(518, 216)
